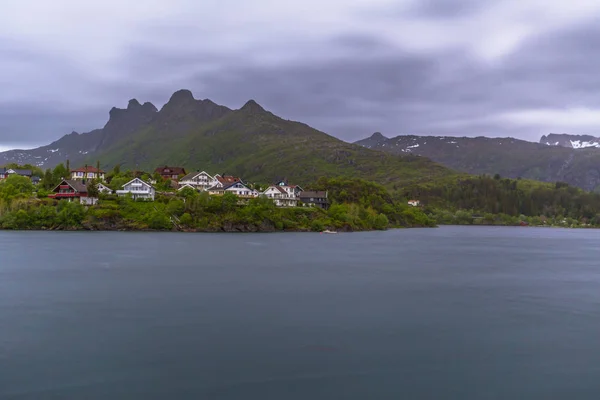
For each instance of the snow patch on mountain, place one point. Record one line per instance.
(578, 144)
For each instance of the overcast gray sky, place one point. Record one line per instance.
(518, 68)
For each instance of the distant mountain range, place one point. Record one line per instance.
(251, 142)
(574, 159)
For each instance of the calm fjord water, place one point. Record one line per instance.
(448, 313)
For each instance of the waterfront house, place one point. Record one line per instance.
(198, 180)
(138, 189)
(283, 195)
(72, 190)
(314, 199)
(172, 173)
(87, 172)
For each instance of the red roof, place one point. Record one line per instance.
(228, 179)
(170, 170)
(88, 169)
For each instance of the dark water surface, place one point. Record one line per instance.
(448, 313)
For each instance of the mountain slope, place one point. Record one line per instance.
(260, 146)
(122, 123)
(505, 156)
(251, 142)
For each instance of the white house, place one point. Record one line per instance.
(138, 190)
(414, 203)
(281, 197)
(104, 189)
(87, 172)
(237, 188)
(198, 180)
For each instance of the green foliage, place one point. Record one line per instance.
(186, 220)
(175, 207)
(187, 192)
(70, 214)
(158, 220)
(514, 198)
(15, 186)
(92, 188)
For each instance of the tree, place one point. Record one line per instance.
(92, 189)
(15, 186)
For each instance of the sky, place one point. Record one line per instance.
(519, 68)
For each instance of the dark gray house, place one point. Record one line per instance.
(315, 199)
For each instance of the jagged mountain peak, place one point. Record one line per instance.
(181, 96)
(253, 107)
(378, 135)
(133, 103)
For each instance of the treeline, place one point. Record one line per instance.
(355, 205)
(509, 197)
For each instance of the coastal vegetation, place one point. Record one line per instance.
(355, 205)
(487, 200)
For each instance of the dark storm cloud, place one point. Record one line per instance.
(429, 79)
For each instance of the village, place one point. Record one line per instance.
(283, 194)
(76, 187)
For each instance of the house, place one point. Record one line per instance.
(72, 190)
(172, 173)
(292, 190)
(414, 203)
(197, 180)
(138, 189)
(237, 188)
(315, 199)
(6, 172)
(87, 172)
(225, 180)
(283, 195)
(35, 180)
(104, 189)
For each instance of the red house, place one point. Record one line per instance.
(172, 173)
(72, 190)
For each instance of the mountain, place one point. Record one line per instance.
(571, 141)
(508, 157)
(251, 142)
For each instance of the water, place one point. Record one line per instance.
(448, 313)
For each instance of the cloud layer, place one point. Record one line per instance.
(349, 67)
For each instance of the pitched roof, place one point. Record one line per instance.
(137, 179)
(22, 172)
(192, 175)
(76, 185)
(227, 179)
(230, 184)
(278, 188)
(88, 169)
(170, 170)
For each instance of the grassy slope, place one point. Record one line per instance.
(512, 158)
(263, 147)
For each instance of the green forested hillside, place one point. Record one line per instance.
(260, 146)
